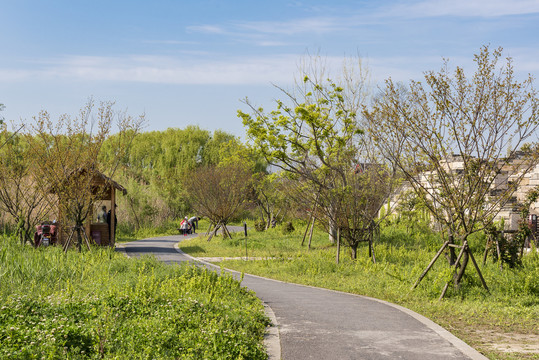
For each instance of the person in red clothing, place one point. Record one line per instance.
(184, 226)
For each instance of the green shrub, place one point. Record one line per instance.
(288, 228)
(260, 225)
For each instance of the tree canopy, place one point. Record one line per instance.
(316, 135)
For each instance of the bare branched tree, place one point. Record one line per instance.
(218, 193)
(22, 195)
(461, 143)
(67, 151)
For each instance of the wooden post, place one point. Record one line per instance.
(306, 229)
(245, 232)
(478, 271)
(431, 264)
(112, 216)
(338, 244)
(311, 234)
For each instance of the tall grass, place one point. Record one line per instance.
(99, 304)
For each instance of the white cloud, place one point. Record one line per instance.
(203, 69)
(207, 29)
(168, 42)
(317, 25)
(466, 8)
(160, 69)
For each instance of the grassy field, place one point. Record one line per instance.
(99, 304)
(502, 324)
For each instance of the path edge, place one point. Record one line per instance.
(466, 349)
(272, 338)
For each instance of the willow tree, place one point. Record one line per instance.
(464, 144)
(315, 135)
(66, 153)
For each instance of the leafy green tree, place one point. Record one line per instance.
(457, 140)
(316, 137)
(156, 167)
(270, 197)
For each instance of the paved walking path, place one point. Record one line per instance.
(316, 323)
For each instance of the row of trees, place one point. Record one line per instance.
(348, 154)
(48, 167)
(50, 160)
(338, 155)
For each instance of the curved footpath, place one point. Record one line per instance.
(314, 323)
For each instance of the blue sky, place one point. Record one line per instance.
(191, 62)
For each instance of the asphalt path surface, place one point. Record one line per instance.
(315, 323)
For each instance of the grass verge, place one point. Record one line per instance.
(99, 304)
(501, 324)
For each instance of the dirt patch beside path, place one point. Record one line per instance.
(526, 345)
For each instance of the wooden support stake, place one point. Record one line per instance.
(499, 251)
(462, 250)
(85, 236)
(478, 271)
(444, 290)
(68, 242)
(431, 264)
(338, 244)
(486, 251)
(311, 234)
(306, 230)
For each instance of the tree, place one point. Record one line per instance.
(316, 136)
(67, 155)
(458, 142)
(22, 194)
(218, 193)
(155, 168)
(315, 131)
(358, 199)
(2, 107)
(270, 197)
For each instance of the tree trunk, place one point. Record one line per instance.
(353, 249)
(79, 239)
(462, 268)
(452, 255)
(332, 231)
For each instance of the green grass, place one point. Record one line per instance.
(99, 304)
(512, 306)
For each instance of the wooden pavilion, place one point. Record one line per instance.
(96, 230)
